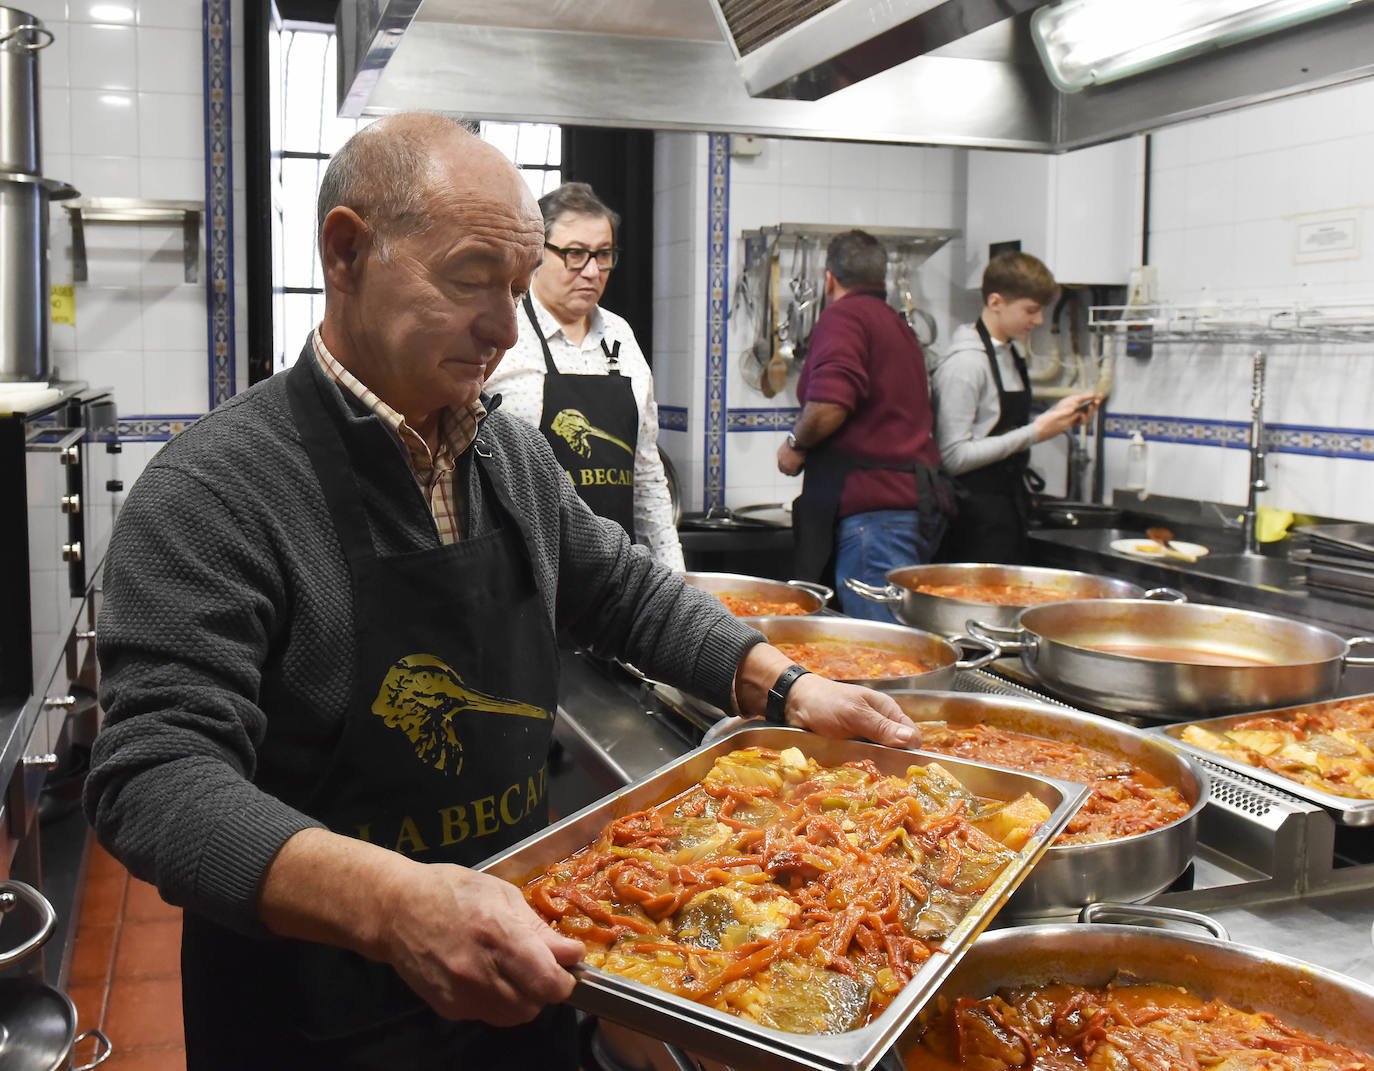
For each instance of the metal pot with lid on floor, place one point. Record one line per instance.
(37, 1021)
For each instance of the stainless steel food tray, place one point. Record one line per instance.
(707, 1032)
(1346, 809)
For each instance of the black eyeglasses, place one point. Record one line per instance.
(575, 258)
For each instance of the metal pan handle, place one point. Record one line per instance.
(890, 594)
(1357, 660)
(989, 633)
(11, 893)
(821, 592)
(1165, 595)
(991, 651)
(103, 1048)
(1127, 912)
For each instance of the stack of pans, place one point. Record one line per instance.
(1339, 557)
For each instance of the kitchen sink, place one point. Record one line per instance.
(1253, 569)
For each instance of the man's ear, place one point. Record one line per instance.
(996, 302)
(344, 242)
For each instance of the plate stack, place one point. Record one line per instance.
(1337, 556)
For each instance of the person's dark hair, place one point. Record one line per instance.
(1016, 276)
(382, 173)
(857, 260)
(579, 199)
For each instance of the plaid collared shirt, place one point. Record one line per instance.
(433, 472)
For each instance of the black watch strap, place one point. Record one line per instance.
(775, 710)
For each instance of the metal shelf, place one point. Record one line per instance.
(1248, 324)
(916, 244)
(185, 214)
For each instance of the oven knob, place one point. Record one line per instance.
(40, 762)
(71, 503)
(71, 552)
(59, 702)
(114, 485)
(71, 456)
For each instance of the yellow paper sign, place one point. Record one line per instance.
(63, 301)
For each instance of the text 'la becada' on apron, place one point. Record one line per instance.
(994, 501)
(442, 758)
(592, 423)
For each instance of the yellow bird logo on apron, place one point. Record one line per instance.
(574, 429)
(421, 696)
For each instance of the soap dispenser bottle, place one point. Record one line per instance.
(1135, 464)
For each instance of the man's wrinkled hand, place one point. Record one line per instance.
(830, 708)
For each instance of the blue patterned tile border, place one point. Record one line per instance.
(717, 272)
(672, 418)
(761, 419)
(1351, 443)
(155, 429)
(219, 199)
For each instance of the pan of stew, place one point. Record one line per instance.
(1174, 661)
(756, 596)
(873, 653)
(1097, 996)
(942, 598)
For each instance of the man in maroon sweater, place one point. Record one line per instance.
(873, 497)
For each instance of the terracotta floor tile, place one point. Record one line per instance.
(102, 900)
(100, 863)
(145, 1014)
(143, 904)
(89, 999)
(172, 1059)
(93, 954)
(148, 950)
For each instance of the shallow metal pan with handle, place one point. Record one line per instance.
(1291, 662)
(1326, 1004)
(942, 655)
(1072, 875)
(1348, 810)
(704, 1031)
(811, 597)
(949, 616)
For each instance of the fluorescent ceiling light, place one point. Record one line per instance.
(1089, 42)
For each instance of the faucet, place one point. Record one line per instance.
(1249, 525)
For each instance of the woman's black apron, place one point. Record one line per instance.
(592, 423)
(994, 501)
(442, 757)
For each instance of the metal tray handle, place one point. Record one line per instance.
(994, 634)
(103, 1048)
(11, 893)
(821, 592)
(990, 650)
(891, 594)
(1349, 659)
(1164, 595)
(1149, 912)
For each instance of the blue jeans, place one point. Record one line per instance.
(867, 545)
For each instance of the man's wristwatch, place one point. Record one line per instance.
(775, 710)
(792, 442)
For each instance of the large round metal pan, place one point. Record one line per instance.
(810, 597)
(1072, 875)
(1329, 1005)
(940, 654)
(949, 616)
(1291, 662)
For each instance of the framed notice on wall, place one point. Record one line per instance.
(1326, 236)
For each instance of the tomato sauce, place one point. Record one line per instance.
(1000, 594)
(841, 660)
(754, 606)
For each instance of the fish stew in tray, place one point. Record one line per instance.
(785, 881)
(1321, 751)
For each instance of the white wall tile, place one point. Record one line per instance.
(177, 381)
(121, 371)
(103, 56)
(173, 316)
(804, 204)
(104, 123)
(108, 318)
(170, 61)
(103, 11)
(176, 180)
(176, 13)
(173, 124)
(105, 176)
(804, 162)
(55, 124)
(49, 11)
(54, 66)
(114, 254)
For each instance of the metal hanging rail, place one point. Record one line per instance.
(1265, 325)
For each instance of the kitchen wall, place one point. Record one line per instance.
(133, 92)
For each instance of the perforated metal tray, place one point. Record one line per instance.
(706, 1032)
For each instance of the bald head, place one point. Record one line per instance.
(388, 172)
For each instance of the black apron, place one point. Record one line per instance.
(441, 756)
(592, 423)
(816, 510)
(994, 501)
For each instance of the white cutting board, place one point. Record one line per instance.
(25, 397)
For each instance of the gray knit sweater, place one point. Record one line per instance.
(227, 596)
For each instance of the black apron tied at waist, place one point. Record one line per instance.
(592, 424)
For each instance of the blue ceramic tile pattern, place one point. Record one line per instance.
(717, 271)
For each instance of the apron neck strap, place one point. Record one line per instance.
(549, 368)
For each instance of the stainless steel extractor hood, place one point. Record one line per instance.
(957, 72)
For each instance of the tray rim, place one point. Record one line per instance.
(716, 1034)
(1350, 810)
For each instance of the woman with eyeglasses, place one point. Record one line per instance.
(578, 374)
